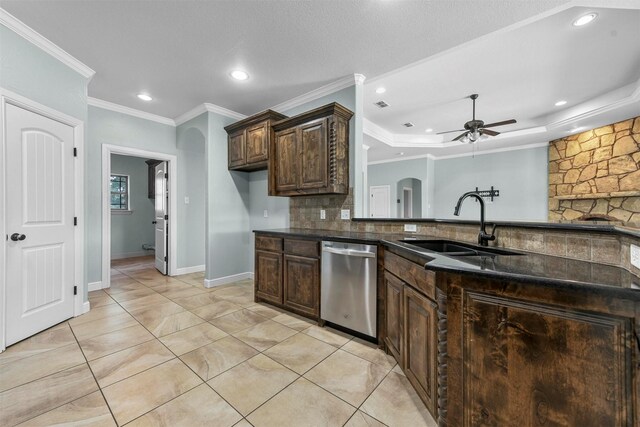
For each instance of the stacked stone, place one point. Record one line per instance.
(596, 173)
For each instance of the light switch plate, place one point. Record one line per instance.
(345, 214)
(410, 228)
(323, 214)
(186, 200)
(266, 213)
(635, 256)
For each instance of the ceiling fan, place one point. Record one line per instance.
(475, 129)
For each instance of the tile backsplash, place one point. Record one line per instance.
(601, 247)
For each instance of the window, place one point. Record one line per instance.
(119, 193)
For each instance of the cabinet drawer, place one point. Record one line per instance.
(308, 248)
(412, 273)
(269, 243)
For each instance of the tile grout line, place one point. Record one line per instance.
(94, 378)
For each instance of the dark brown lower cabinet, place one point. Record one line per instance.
(420, 345)
(302, 284)
(394, 340)
(287, 273)
(539, 357)
(268, 277)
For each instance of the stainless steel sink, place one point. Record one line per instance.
(451, 248)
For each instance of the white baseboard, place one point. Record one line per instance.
(189, 270)
(212, 283)
(94, 286)
(124, 255)
(86, 306)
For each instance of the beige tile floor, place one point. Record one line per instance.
(165, 351)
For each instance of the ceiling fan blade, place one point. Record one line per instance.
(505, 122)
(459, 137)
(489, 132)
(450, 131)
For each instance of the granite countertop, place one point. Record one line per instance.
(529, 267)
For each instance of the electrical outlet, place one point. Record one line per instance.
(635, 256)
(266, 213)
(186, 200)
(345, 214)
(323, 214)
(410, 228)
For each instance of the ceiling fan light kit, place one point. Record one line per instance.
(475, 130)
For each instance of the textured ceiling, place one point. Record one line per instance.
(182, 51)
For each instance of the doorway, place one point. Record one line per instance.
(407, 205)
(41, 258)
(164, 207)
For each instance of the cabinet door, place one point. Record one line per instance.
(420, 345)
(237, 149)
(286, 160)
(269, 276)
(314, 152)
(257, 143)
(530, 363)
(393, 288)
(302, 284)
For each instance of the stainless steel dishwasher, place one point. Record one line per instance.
(348, 291)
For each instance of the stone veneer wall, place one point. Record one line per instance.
(603, 248)
(596, 173)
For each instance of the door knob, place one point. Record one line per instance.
(16, 236)
(154, 222)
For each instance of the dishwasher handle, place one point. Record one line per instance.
(349, 252)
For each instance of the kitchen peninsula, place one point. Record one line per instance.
(502, 338)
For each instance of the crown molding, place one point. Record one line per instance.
(29, 34)
(213, 108)
(495, 150)
(466, 154)
(210, 108)
(599, 106)
(325, 90)
(95, 102)
(402, 159)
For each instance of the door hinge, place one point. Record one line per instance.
(75, 290)
(75, 220)
(166, 217)
(75, 152)
(166, 175)
(165, 259)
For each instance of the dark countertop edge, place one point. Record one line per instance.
(431, 263)
(380, 238)
(597, 228)
(325, 235)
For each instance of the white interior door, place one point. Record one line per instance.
(380, 202)
(39, 223)
(161, 203)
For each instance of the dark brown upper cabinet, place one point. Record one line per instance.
(310, 153)
(249, 141)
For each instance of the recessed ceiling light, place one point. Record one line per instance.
(428, 130)
(400, 153)
(239, 75)
(144, 97)
(560, 103)
(585, 19)
(381, 90)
